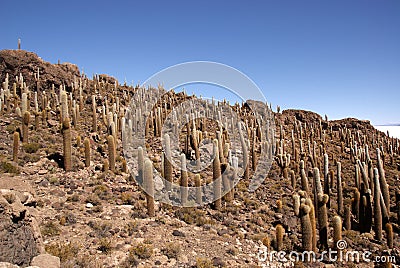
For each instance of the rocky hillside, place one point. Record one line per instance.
(61, 139)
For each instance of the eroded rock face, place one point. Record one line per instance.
(15, 62)
(20, 238)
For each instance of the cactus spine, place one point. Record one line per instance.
(149, 187)
(66, 131)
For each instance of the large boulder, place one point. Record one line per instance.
(46, 261)
(20, 238)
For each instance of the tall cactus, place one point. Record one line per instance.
(167, 163)
(149, 187)
(279, 233)
(140, 165)
(66, 131)
(339, 189)
(383, 183)
(312, 213)
(15, 146)
(184, 180)
(304, 179)
(323, 219)
(337, 230)
(293, 179)
(111, 152)
(25, 127)
(94, 114)
(377, 207)
(216, 176)
(317, 188)
(306, 228)
(197, 181)
(327, 178)
(347, 218)
(356, 203)
(389, 235)
(86, 143)
(225, 170)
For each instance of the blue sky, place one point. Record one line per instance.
(340, 58)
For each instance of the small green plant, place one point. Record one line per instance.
(131, 227)
(103, 192)
(204, 263)
(172, 250)
(8, 167)
(105, 245)
(142, 250)
(127, 198)
(102, 229)
(193, 216)
(54, 181)
(130, 261)
(50, 228)
(31, 148)
(65, 251)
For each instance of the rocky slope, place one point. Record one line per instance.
(93, 217)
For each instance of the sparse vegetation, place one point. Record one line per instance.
(65, 251)
(142, 250)
(50, 228)
(324, 174)
(172, 250)
(31, 148)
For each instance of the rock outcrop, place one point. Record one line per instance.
(20, 238)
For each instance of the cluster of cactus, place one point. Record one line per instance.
(318, 201)
(369, 207)
(66, 104)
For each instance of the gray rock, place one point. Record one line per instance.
(8, 265)
(178, 233)
(20, 238)
(46, 261)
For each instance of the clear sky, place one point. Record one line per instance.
(337, 57)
